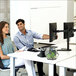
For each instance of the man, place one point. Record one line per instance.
(24, 40)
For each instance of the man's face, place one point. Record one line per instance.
(21, 26)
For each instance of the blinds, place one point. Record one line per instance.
(4, 10)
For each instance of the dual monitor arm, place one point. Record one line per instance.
(68, 32)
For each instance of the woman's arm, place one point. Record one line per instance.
(3, 56)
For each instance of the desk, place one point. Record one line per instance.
(30, 56)
(33, 57)
(69, 63)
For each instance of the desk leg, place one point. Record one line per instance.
(74, 74)
(62, 71)
(12, 66)
(51, 70)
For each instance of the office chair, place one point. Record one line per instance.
(5, 68)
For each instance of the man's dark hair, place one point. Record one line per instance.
(20, 20)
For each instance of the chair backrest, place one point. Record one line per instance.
(1, 64)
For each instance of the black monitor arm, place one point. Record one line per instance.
(67, 38)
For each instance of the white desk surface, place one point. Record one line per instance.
(69, 63)
(46, 41)
(57, 41)
(33, 55)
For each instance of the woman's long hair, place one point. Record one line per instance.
(2, 24)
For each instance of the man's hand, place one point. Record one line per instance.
(45, 36)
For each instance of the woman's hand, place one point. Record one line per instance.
(19, 51)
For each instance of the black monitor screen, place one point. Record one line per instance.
(52, 33)
(69, 26)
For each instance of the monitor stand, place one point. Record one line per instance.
(65, 49)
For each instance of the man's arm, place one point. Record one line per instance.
(40, 36)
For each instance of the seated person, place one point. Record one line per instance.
(24, 40)
(6, 47)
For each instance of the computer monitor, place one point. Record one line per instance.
(68, 29)
(52, 33)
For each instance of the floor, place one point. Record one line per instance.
(22, 72)
(25, 74)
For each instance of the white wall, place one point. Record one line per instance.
(19, 10)
(70, 10)
(38, 14)
(45, 12)
(74, 8)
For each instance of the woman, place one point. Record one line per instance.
(6, 47)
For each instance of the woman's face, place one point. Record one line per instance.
(5, 29)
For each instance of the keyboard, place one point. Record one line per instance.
(33, 50)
